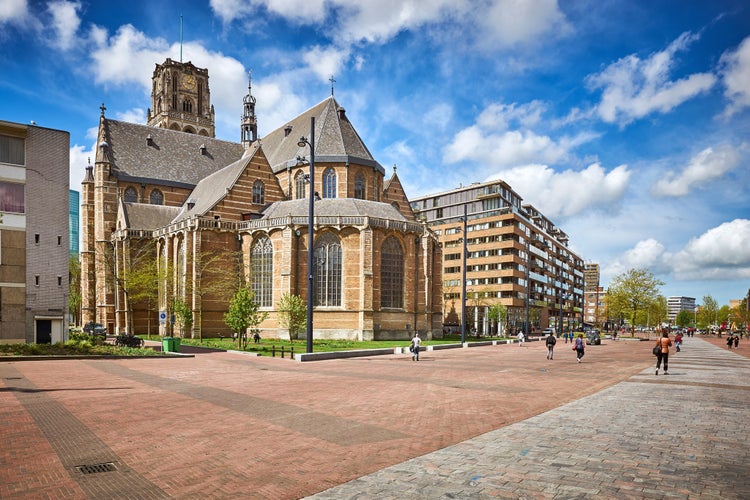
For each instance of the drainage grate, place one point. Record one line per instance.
(96, 468)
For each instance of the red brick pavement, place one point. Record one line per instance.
(224, 425)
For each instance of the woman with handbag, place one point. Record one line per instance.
(579, 347)
(663, 344)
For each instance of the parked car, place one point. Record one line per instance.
(594, 338)
(95, 329)
(548, 331)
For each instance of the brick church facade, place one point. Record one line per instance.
(209, 215)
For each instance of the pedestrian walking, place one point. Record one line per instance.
(551, 341)
(416, 342)
(663, 355)
(677, 341)
(565, 336)
(579, 347)
(520, 339)
(730, 341)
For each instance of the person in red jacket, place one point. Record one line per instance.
(664, 344)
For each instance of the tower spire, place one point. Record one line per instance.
(332, 80)
(249, 126)
(180, 37)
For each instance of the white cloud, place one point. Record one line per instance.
(325, 61)
(708, 164)
(13, 11)
(496, 23)
(646, 254)
(567, 193)
(736, 77)
(65, 23)
(512, 22)
(634, 88)
(722, 252)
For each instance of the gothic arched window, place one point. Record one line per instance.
(261, 261)
(187, 106)
(329, 183)
(131, 195)
(392, 274)
(299, 185)
(328, 265)
(259, 192)
(359, 186)
(157, 198)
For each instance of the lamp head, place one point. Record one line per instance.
(302, 142)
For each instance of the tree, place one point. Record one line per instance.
(292, 314)
(184, 316)
(217, 273)
(74, 299)
(631, 292)
(498, 313)
(244, 312)
(684, 319)
(708, 312)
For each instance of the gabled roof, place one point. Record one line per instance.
(332, 207)
(336, 140)
(171, 157)
(214, 188)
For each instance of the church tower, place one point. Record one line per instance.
(181, 99)
(249, 121)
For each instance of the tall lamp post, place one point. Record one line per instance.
(528, 289)
(310, 217)
(463, 281)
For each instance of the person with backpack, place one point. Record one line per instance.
(551, 341)
(579, 347)
(663, 344)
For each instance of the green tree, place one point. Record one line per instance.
(708, 314)
(184, 316)
(631, 292)
(292, 314)
(244, 313)
(498, 313)
(684, 319)
(74, 298)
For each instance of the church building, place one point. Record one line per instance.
(196, 217)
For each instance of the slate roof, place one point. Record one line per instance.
(334, 207)
(335, 139)
(213, 188)
(146, 216)
(173, 157)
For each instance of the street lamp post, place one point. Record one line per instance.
(463, 280)
(528, 289)
(310, 218)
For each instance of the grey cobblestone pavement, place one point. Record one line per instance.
(677, 436)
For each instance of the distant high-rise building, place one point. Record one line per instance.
(591, 277)
(74, 217)
(677, 304)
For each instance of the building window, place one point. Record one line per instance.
(157, 197)
(262, 271)
(258, 192)
(187, 106)
(327, 270)
(131, 195)
(59, 281)
(359, 186)
(329, 183)
(36, 239)
(11, 197)
(12, 150)
(36, 280)
(299, 183)
(392, 274)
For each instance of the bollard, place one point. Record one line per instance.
(291, 356)
(273, 351)
(282, 352)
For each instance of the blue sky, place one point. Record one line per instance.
(627, 123)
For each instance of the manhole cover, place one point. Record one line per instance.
(96, 468)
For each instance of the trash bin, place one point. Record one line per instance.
(167, 344)
(176, 344)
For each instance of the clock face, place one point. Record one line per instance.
(188, 82)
